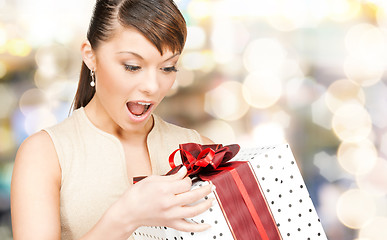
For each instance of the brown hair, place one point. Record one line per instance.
(160, 21)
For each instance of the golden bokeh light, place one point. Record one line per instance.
(355, 38)
(374, 229)
(281, 117)
(351, 122)
(43, 81)
(341, 92)
(226, 101)
(354, 207)
(3, 69)
(261, 92)
(264, 56)
(375, 181)
(381, 16)
(200, 9)
(321, 115)
(3, 35)
(60, 91)
(18, 47)
(301, 91)
(38, 119)
(196, 60)
(31, 100)
(52, 60)
(6, 140)
(302, 14)
(364, 72)
(45, 22)
(269, 133)
(292, 69)
(357, 158)
(235, 9)
(3, 49)
(8, 101)
(228, 38)
(231, 66)
(218, 131)
(209, 62)
(282, 23)
(196, 37)
(3, 39)
(342, 10)
(366, 41)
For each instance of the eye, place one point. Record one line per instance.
(131, 68)
(169, 69)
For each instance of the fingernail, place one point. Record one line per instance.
(182, 168)
(191, 221)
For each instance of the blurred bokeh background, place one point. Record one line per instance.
(254, 72)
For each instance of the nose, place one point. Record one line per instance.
(150, 84)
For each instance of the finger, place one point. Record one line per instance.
(179, 186)
(191, 210)
(179, 175)
(195, 210)
(194, 195)
(185, 226)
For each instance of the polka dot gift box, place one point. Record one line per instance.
(260, 195)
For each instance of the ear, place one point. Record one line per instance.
(88, 55)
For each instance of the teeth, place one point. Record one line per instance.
(143, 103)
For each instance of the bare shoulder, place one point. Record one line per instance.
(37, 178)
(38, 139)
(37, 152)
(37, 148)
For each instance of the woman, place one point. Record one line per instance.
(73, 180)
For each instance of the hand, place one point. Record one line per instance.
(165, 201)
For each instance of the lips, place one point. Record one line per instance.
(138, 109)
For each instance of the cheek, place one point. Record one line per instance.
(167, 83)
(111, 81)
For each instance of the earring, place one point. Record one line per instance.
(92, 83)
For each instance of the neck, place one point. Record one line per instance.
(102, 120)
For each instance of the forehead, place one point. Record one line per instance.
(130, 39)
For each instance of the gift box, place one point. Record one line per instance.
(260, 194)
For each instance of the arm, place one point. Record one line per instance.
(154, 201)
(35, 190)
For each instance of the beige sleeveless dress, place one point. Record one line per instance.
(94, 170)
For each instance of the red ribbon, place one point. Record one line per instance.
(202, 158)
(248, 202)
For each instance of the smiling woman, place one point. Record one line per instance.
(74, 180)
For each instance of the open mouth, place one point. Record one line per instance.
(138, 109)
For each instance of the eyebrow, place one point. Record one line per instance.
(140, 57)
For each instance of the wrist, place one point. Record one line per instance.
(122, 218)
(114, 224)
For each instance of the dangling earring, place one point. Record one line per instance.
(92, 83)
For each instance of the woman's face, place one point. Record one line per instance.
(132, 78)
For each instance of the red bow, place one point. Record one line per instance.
(202, 159)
